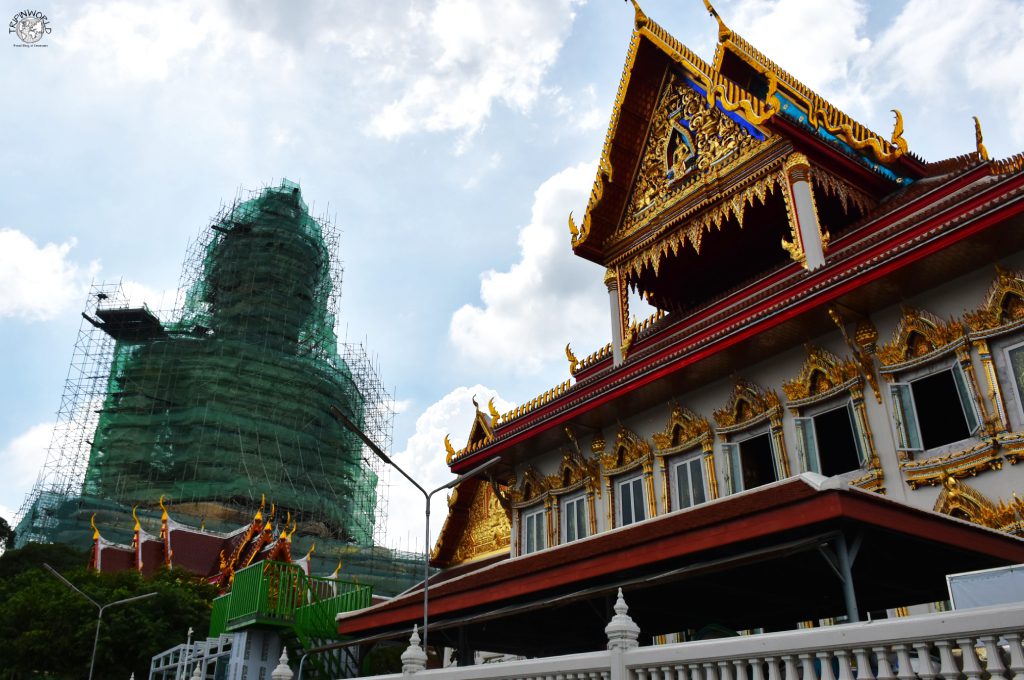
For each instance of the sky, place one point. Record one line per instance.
(448, 139)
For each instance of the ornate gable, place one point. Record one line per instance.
(918, 335)
(684, 429)
(749, 404)
(1004, 304)
(822, 375)
(629, 451)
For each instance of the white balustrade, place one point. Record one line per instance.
(974, 644)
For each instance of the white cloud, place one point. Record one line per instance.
(457, 57)
(424, 459)
(21, 460)
(138, 294)
(548, 298)
(139, 43)
(38, 283)
(829, 35)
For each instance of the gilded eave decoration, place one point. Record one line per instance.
(823, 375)
(685, 430)
(628, 451)
(748, 405)
(958, 464)
(965, 502)
(918, 338)
(1003, 309)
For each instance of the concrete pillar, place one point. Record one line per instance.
(808, 238)
(611, 281)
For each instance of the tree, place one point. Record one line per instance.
(48, 629)
(6, 535)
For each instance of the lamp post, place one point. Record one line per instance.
(99, 607)
(427, 495)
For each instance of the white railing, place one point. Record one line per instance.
(974, 644)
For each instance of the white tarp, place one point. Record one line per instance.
(1002, 585)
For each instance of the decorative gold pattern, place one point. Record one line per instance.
(488, 530)
(873, 480)
(712, 218)
(1008, 166)
(1003, 308)
(748, 404)
(965, 502)
(495, 416)
(674, 152)
(629, 452)
(847, 194)
(959, 464)
(823, 375)
(685, 429)
(590, 360)
(863, 346)
(819, 111)
(918, 336)
(533, 486)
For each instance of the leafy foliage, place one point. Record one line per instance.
(6, 535)
(48, 629)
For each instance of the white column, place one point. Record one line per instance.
(807, 230)
(612, 283)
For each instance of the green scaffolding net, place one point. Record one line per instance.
(231, 400)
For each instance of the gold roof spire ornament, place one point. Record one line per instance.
(95, 531)
(449, 448)
(476, 404)
(163, 517)
(134, 517)
(337, 571)
(495, 416)
(639, 18)
(263, 503)
(312, 549)
(574, 231)
(723, 31)
(982, 151)
(573, 361)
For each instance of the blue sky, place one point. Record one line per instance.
(449, 139)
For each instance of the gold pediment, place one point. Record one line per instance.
(918, 334)
(1004, 303)
(488, 530)
(689, 142)
(629, 450)
(748, 404)
(822, 373)
(684, 426)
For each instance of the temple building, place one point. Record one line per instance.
(823, 418)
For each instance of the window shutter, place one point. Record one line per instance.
(967, 401)
(858, 434)
(807, 444)
(733, 470)
(906, 417)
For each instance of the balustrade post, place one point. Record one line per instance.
(969, 658)
(947, 665)
(680, 672)
(825, 661)
(773, 668)
(884, 667)
(863, 664)
(845, 671)
(904, 668)
(993, 658)
(756, 669)
(1016, 655)
(807, 667)
(789, 663)
(925, 667)
(695, 672)
(710, 671)
(741, 669)
(724, 670)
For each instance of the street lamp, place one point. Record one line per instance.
(99, 616)
(336, 412)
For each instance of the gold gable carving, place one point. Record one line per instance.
(1004, 303)
(965, 502)
(683, 426)
(748, 402)
(822, 373)
(918, 334)
(488, 529)
(628, 450)
(676, 156)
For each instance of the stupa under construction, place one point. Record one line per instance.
(225, 400)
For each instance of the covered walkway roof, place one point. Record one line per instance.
(763, 558)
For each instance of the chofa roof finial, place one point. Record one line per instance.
(640, 19)
(982, 151)
(723, 30)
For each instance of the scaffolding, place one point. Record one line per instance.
(226, 398)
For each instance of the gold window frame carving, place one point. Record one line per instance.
(629, 452)
(825, 376)
(575, 473)
(958, 499)
(919, 338)
(750, 405)
(992, 319)
(685, 431)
